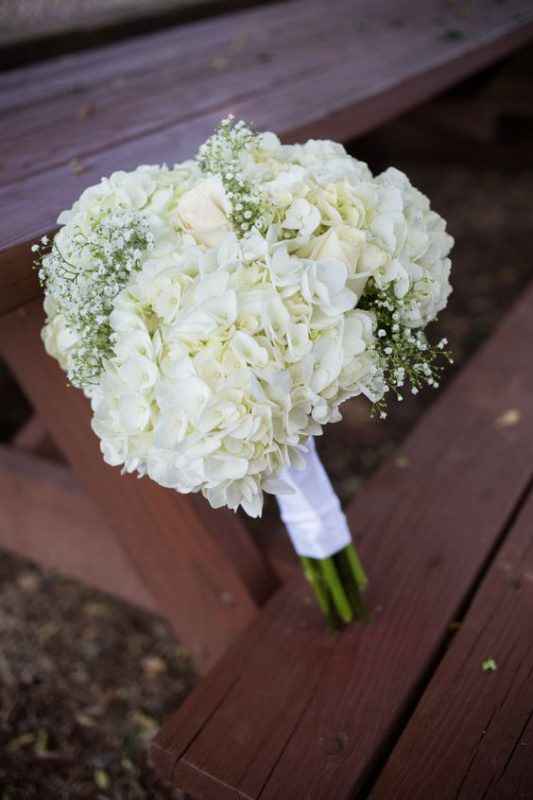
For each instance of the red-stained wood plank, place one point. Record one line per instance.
(31, 436)
(45, 516)
(273, 542)
(58, 21)
(294, 41)
(301, 634)
(203, 71)
(178, 551)
(472, 733)
(393, 57)
(156, 52)
(18, 278)
(34, 438)
(274, 546)
(425, 532)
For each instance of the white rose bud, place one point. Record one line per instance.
(204, 212)
(345, 245)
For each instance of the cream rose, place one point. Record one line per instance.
(204, 212)
(347, 245)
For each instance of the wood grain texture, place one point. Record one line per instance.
(276, 547)
(45, 516)
(471, 736)
(18, 278)
(34, 438)
(18, 25)
(424, 533)
(178, 555)
(301, 636)
(76, 72)
(276, 66)
(31, 436)
(202, 70)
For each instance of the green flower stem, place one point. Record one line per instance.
(354, 580)
(356, 566)
(338, 583)
(312, 574)
(336, 588)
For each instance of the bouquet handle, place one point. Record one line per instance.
(321, 537)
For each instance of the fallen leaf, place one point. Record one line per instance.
(76, 166)
(29, 581)
(20, 741)
(41, 743)
(510, 417)
(86, 110)
(101, 778)
(402, 462)
(146, 723)
(96, 609)
(219, 63)
(454, 35)
(153, 666)
(489, 665)
(47, 631)
(239, 42)
(85, 720)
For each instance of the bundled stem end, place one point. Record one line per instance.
(338, 583)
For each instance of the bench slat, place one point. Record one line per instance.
(200, 76)
(77, 72)
(472, 733)
(127, 106)
(57, 21)
(424, 532)
(392, 58)
(209, 595)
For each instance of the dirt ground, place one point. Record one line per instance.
(85, 679)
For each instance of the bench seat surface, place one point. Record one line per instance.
(472, 733)
(288, 67)
(294, 711)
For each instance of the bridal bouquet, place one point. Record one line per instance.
(218, 312)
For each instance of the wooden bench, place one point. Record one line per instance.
(293, 711)
(68, 121)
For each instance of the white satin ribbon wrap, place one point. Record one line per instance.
(312, 514)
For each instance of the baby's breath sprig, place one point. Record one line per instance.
(221, 155)
(83, 275)
(404, 355)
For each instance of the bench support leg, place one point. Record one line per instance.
(201, 567)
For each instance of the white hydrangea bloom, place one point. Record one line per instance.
(225, 316)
